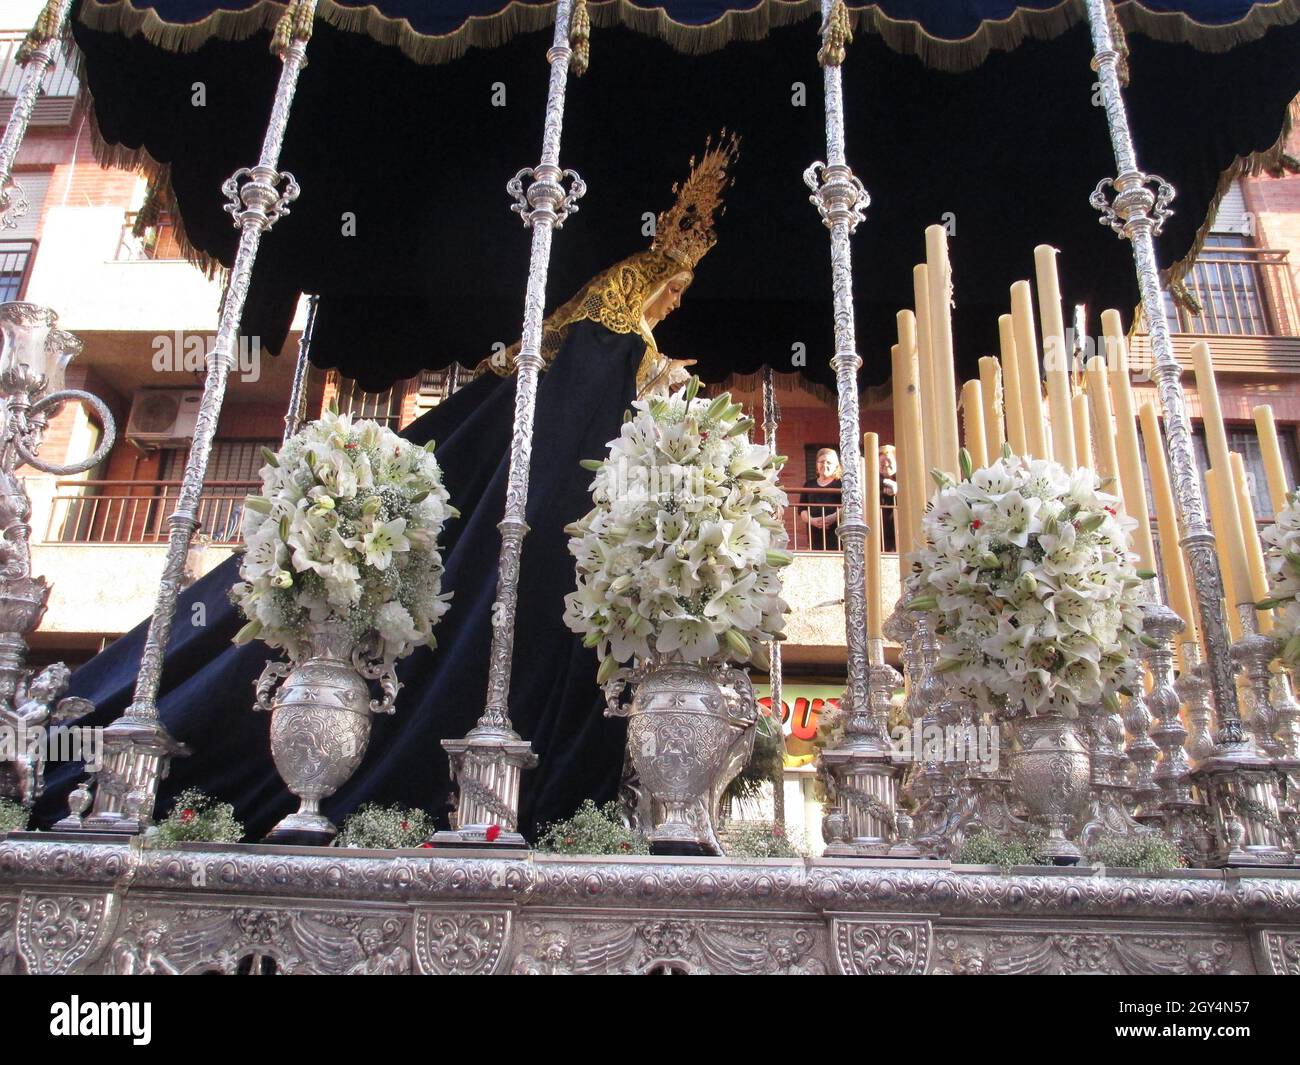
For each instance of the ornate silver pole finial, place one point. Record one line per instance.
(298, 393)
(1137, 213)
(488, 762)
(35, 56)
(137, 748)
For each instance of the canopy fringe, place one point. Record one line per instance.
(161, 197)
(490, 31)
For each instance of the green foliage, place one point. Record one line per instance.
(764, 765)
(196, 816)
(385, 827)
(1152, 852)
(13, 816)
(764, 839)
(984, 848)
(592, 830)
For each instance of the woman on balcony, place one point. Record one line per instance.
(820, 510)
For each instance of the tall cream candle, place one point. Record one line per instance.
(1271, 450)
(1219, 520)
(907, 432)
(995, 431)
(972, 405)
(1250, 534)
(925, 367)
(1172, 562)
(1082, 430)
(1216, 444)
(902, 499)
(1106, 455)
(1031, 385)
(1012, 407)
(871, 475)
(1056, 356)
(939, 279)
(1130, 458)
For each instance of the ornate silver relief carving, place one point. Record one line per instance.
(1069, 953)
(59, 934)
(459, 943)
(867, 947)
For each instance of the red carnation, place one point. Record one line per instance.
(406, 826)
(187, 815)
(426, 844)
(975, 523)
(625, 846)
(492, 832)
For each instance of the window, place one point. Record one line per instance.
(1228, 283)
(232, 474)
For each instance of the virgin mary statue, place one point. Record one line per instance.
(600, 353)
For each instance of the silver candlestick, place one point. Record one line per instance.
(33, 357)
(487, 763)
(137, 748)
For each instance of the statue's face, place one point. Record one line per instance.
(668, 300)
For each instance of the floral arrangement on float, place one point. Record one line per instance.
(679, 568)
(1027, 576)
(1029, 591)
(1282, 561)
(342, 571)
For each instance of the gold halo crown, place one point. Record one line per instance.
(684, 232)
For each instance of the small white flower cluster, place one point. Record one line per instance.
(1027, 571)
(682, 554)
(346, 528)
(1282, 559)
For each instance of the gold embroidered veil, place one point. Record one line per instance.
(618, 297)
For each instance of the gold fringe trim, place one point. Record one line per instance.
(489, 31)
(580, 39)
(1270, 160)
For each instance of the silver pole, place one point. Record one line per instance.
(298, 393)
(137, 748)
(841, 200)
(1137, 213)
(36, 55)
(488, 761)
(771, 419)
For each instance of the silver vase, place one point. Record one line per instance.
(1050, 772)
(690, 731)
(320, 723)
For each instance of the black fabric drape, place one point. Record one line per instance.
(207, 689)
(418, 156)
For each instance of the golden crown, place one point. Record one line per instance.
(684, 232)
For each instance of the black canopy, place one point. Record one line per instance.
(1005, 151)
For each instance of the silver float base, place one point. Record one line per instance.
(93, 906)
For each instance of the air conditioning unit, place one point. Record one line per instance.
(162, 417)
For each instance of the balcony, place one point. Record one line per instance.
(135, 512)
(104, 546)
(1243, 302)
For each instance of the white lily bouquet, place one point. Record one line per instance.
(1027, 573)
(681, 555)
(1282, 560)
(346, 529)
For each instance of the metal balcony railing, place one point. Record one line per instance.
(1241, 292)
(158, 242)
(16, 259)
(813, 516)
(59, 82)
(136, 512)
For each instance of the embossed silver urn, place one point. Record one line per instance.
(690, 731)
(320, 723)
(1051, 772)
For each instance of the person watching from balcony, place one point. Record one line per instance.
(820, 510)
(888, 496)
